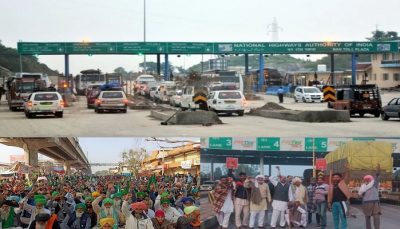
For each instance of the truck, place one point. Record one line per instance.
(360, 158)
(358, 99)
(20, 86)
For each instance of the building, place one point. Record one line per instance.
(4, 74)
(181, 160)
(385, 70)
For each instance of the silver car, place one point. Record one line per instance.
(111, 100)
(44, 103)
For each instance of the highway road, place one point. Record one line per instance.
(80, 121)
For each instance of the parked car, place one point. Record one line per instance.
(44, 103)
(152, 93)
(91, 97)
(175, 100)
(227, 102)
(187, 99)
(308, 94)
(207, 186)
(111, 100)
(391, 110)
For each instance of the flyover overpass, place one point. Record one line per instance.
(65, 150)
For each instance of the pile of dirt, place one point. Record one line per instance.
(272, 106)
(268, 106)
(140, 101)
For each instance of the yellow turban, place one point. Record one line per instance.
(95, 194)
(109, 221)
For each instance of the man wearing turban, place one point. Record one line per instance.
(159, 222)
(138, 219)
(79, 219)
(171, 214)
(38, 208)
(107, 210)
(107, 223)
(191, 219)
(8, 214)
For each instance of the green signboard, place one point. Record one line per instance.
(320, 144)
(140, 47)
(190, 48)
(364, 139)
(307, 47)
(56, 48)
(268, 144)
(220, 143)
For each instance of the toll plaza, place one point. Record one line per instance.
(216, 48)
(269, 151)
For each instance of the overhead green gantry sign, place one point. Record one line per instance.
(65, 48)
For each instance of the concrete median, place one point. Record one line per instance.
(304, 116)
(186, 117)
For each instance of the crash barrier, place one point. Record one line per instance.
(273, 90)
(304, 116)
(329, 93)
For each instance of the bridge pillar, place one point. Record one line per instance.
(262, 164)
(212, 168)
(261, 73)
(269, 169)
(333, 81)
(158, 65)
(66, 62)
(246, 64)
(166, 68)
(67, 167)
(353, 69)
(31, 156)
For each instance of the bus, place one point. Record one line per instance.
(89, 79)
(225, 80)
(114, 78)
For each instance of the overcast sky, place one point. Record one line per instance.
(104, 150)
(187, 20)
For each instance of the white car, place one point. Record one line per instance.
(207, 186)
(227, 102)
(44, 103)
(187, 99)
(175, 100)
(152, 93)
(308, 94)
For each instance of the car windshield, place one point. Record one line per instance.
(311, 90)
(112, 95)
(229, 95)
(46, 97)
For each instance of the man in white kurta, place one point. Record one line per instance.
(282, 195)
(258, 206)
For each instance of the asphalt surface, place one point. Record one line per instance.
(80, 121)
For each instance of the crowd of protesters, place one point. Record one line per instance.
(292, 204)
(80, 201)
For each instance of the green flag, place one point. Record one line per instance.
(152, 180)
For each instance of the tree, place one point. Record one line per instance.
(152, 66)
(121, 71)
(133, 159)
(379, 35)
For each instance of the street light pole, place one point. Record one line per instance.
(144, 34)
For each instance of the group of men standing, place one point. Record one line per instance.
(292, 203)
